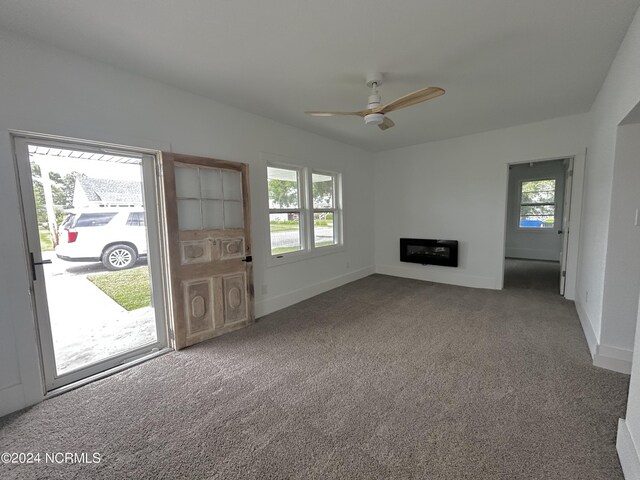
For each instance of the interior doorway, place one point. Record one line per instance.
(93, 251)
(537, 225)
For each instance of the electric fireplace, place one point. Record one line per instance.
(429, 252)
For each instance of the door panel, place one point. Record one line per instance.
(235, 299)
(199, 307)
(231, 248)
(209, 246)
(88, 320)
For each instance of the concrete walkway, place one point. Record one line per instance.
(87, 325)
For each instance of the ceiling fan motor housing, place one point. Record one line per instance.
(374, 118)
(374, 101)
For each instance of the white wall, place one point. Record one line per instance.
(535, 244)
(628, 442)
(457, 189)
(46, 90)
(619, 94)
(622, 271)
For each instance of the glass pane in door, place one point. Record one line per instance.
(92, 226)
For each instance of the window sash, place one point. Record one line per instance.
(335, 228)
(285, 210)
(325, 210)
(335, 209)
(300, 173)
(299, 210)
(333, 177)
(299, 244)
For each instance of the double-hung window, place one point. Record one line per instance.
(305, 211)
(286, 209)
(537, 204)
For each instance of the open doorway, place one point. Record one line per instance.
(538, 206)
(91, 223)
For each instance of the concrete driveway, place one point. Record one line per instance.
(87, 325)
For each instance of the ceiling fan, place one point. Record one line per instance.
(375, 114)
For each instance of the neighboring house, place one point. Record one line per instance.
(106, 192)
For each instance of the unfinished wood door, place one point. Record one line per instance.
(209, 238)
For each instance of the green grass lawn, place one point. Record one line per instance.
(128, 288)
(46, 245)
(284, 227)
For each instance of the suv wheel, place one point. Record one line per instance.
(119, 257)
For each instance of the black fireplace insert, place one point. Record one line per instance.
(429, 251)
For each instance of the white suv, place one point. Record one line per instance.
(117, 237)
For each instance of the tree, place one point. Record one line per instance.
(323, 193)
(62, 188)
(38, 193)
(538, 201)
(283, 193)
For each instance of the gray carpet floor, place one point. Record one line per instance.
(383, 378)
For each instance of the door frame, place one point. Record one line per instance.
(157, 259)
(566, 222)
(576, 161)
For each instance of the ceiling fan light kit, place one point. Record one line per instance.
(374, 118)
(375, 114)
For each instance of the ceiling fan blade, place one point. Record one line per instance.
(333, 114)
(413, 98)
(387, 123)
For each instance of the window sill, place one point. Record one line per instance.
(292, 257)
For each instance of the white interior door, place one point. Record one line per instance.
(94, 280)
(568, 182)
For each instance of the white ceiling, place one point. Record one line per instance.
(502, 62)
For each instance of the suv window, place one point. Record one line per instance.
(136, 219)
(68, 221)
(94, 219)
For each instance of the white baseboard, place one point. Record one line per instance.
(613, 358)
(279, 302)
(604, 356)
(434, 273)
(627, 452)
(587, 328)
(11, 399)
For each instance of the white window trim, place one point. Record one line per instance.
(537, 231)
(305, 207)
